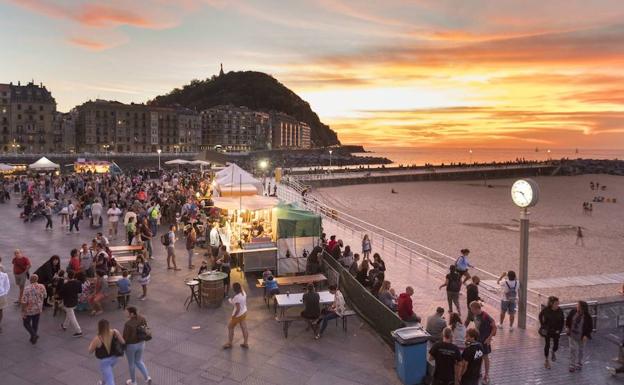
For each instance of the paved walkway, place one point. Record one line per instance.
(178, 354)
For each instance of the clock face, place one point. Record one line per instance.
(523, 193)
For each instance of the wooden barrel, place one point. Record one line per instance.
(212, 289)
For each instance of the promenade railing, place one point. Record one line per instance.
(404, 251)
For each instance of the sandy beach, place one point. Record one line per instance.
(448, 216)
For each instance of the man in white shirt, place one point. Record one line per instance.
(239, 314)
(5, 286)
(215, 240)
(509, 298)
(336, 310)
(113, 220)
(96, 213)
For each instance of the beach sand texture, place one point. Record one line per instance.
(448, 216)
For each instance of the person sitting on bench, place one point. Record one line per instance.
(334, 311)
(311, 307)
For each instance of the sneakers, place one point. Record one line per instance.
(148, 381)
(129, 382)
(63, 328)
(511, 328)
(553, 357)
(77, 335)
(611, 371)
(500, 326)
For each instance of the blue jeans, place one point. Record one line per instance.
(134, 354)
(106, 369)
(326, 318)
(153, 226)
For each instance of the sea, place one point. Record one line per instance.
(420, 155)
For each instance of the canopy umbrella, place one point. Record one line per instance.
(177, 161)
(44, 164)
(199, 162)
(253, 202)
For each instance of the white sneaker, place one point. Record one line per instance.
(511, 328)
(500, 326)
(129, 382)
(148, 381)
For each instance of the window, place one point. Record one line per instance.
(41, 109)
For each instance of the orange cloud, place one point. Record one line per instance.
(100, 16)
(88, 44)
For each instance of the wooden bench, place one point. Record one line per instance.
(125, 248)
(286, 320)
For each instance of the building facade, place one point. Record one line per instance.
(103, 126)
(235, 128)
(288, 132)
(27, 115)
(64, 131)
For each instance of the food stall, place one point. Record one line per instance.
(234, 181)
(82, 165)
(247, 230)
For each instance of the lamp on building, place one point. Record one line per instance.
(159, 151)
(263, 164)
(330, 159)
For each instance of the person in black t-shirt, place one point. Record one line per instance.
(472, 294)
(470, 365)
(446, 357)
(69, 293)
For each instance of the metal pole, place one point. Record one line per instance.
(524, 268)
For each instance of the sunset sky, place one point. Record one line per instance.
(498, 73)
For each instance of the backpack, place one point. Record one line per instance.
(143, 332)
(164, 239)
(454, 284)
(511, 293)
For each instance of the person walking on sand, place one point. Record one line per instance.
(239, 314)
(579, 237)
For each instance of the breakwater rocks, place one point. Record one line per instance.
(591, 166)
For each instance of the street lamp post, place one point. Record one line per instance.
(470, 151)
(159, 151)
(330, 159)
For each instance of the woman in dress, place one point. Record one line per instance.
(104, 346)
(95, 299)
(143, 268)
(367, 246)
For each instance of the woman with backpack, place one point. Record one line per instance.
(143, 268)
(107, 346)
(135, 334)
(551, 324)
(509, 298)
(453, 287)
(579, 327)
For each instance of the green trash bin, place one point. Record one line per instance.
(410, 354)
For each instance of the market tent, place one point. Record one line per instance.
(199, 162)
(255, 202)
(297, 232)
(177, 161)
(44, 164)
(6, 167)
(293, 222)
(230, 179)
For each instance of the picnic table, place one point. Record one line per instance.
(112, 279)
(295, 280)
(125, 259)
(126, 248)
(285, 301)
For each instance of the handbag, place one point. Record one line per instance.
(117, 348)
(143, 332)
(542, 331)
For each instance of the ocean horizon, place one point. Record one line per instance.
(421, 155)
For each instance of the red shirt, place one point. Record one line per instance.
(74, 263)
(20, 265)
(404, 306)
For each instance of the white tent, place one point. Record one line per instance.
(44, 164)
(199, 162)
(177, 161)
(6, 167)
(234, 179)
(253, 202)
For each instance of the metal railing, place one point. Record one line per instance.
(405, 251)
